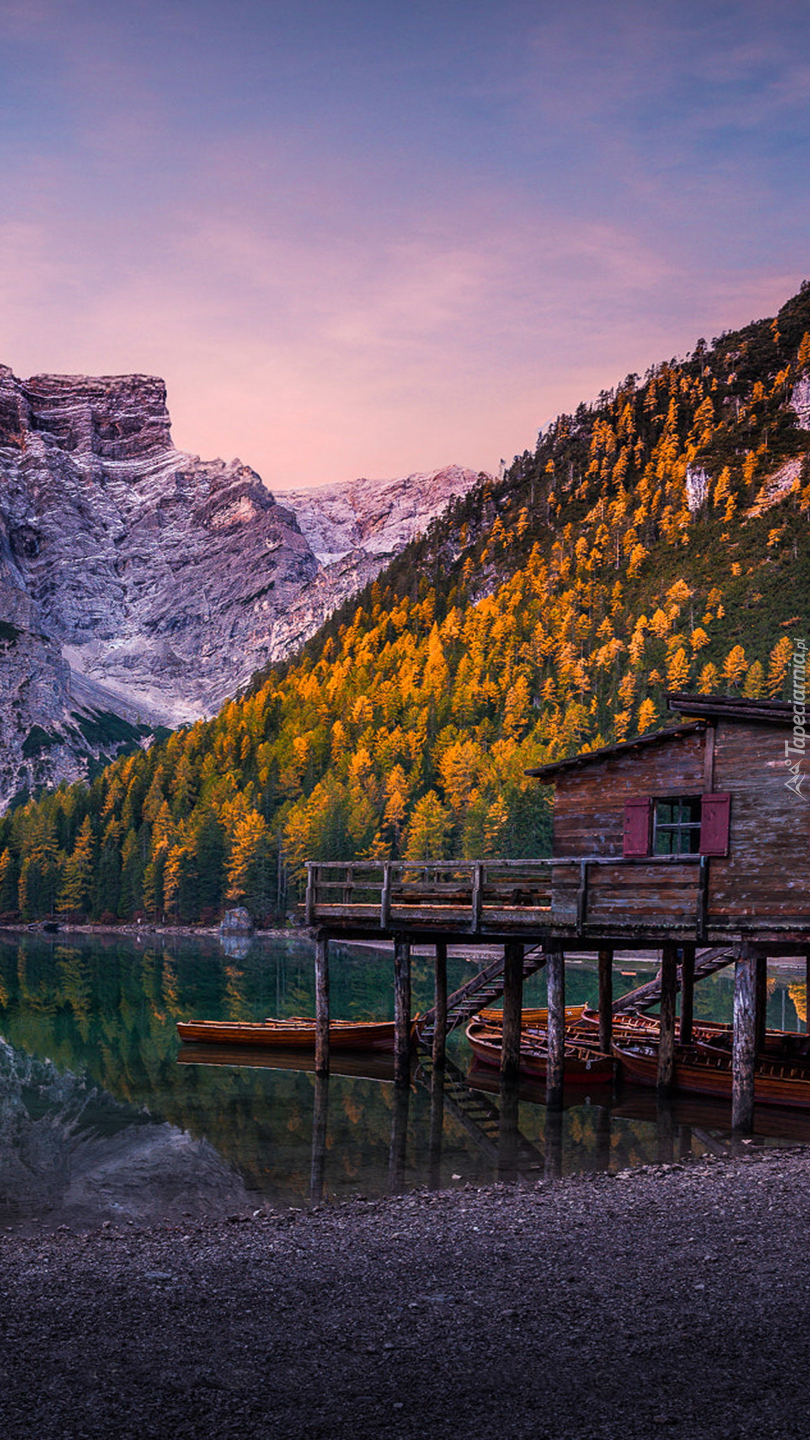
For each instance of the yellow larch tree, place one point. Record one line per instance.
(247, 867)
(678, 670)
(621, 724)
(429, 830)
(709, 681)
(735, 666)
(646, 715)
(778, 665)
(77, 879)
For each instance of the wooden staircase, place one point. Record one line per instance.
(706, 963)
(476, 994)
(478, 1115)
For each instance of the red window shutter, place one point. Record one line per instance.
(637, 815)
(715, 811)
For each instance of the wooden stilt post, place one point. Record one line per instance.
(512, 1008)
(666, 1042)
(687, 994)
(762, 1001)
(555, 1074)
(322, 1004)
(402, 1010)
(605, 1000)
(440, 1000)
(744, 1044)
(319, 1118)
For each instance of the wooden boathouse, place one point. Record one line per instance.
(694, 839)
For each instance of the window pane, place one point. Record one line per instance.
(677, 825)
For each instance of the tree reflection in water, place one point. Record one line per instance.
(103, 1011)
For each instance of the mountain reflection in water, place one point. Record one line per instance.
(73, 1154)
(99, 1121)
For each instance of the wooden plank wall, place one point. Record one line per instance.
(627, 894)
(589, 803)
(767, 871)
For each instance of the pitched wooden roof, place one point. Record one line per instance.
(703, 707)
(588, 757)
(731, 707)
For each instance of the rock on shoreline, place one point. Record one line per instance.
(665, 1300)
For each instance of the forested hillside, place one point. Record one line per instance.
(654, 540)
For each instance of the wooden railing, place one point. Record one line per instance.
(576, 895)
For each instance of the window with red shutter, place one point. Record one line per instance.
(676, 825)
(637, 826)
(714, 824)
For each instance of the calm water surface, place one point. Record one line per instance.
(102, 1118)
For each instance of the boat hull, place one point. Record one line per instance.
(703, 1071)
(582, 1066)
(536, 1016)
(295, 1034)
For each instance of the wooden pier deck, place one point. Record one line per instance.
(536, 910)
(689, 836)
(593, 899)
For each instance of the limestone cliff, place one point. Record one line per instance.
(139, 582)
(354, 529)
(378, 517)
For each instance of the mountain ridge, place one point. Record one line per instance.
(655, 541)
(163, 580)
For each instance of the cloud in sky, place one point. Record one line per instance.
(364, 239)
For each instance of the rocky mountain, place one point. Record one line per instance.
(354, 529)
(654, 541)
(140, 585)
(377, 517)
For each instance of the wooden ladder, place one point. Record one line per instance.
(476, 994)
(706, 963)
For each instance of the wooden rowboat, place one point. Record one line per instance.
(298, 1032)
(537, 1016)
(706, 1070)
(583, 1064)
(636, 1025)
(783, 1045)
(631, 1022)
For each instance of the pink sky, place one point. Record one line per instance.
(366, 241)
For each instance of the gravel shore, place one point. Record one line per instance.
(670, 1300)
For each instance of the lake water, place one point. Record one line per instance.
(101, 1119)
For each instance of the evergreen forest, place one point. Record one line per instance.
(654, 540)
